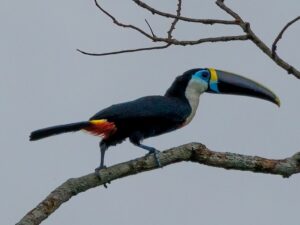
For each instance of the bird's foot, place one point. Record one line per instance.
(100, 168)
(155, 152)
(97, 170)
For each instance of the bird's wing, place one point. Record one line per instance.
(150, 107)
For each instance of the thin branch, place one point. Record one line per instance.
(193, 152)
(274, 45)
(170, 42)
(257, 41)
(204, 40)
(124, 51)
(186, 19)
(118, 23)
(150, 28)
(173, 25)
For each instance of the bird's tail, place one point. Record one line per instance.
(101, 128)
(49, 131)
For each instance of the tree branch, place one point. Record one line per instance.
(172, 27)
(118, 23)
(124, 51)
(274, 45)
(257, 41)
(193, 152)
(169, 40)
(186, 19)
(150, 28)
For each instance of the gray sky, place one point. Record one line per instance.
(45, 82)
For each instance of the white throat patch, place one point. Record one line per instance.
(193, 91)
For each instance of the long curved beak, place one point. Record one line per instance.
(229, 83)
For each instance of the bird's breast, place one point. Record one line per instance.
(193, 99)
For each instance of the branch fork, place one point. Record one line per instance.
(169, 40)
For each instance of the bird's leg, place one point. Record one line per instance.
(151, 150)
(103, 148)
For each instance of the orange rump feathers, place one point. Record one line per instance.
(101, 128)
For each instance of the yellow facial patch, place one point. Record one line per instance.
(213, 75)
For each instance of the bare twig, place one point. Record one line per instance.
(274, 45)
(186, 19)
(172, 27)
(257, 41)
(124, 51)
(204, 40)
(150, 28)
(193, 152)
(118, 23)
(170, 42)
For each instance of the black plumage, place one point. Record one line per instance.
(145, 117)
(154, 115)
(139, 119)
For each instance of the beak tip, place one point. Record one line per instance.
(277, 102)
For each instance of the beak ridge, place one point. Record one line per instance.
(230, 83)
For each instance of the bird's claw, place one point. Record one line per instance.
(155, 152)
(97, 170)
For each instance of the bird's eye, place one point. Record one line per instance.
(205, 74)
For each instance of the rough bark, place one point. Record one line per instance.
(193, 152)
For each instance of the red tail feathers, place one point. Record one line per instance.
(101, 128)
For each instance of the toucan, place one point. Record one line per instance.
(155, 115)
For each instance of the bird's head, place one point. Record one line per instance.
(220, 82)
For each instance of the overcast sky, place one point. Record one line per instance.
(45, 82)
